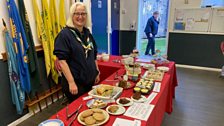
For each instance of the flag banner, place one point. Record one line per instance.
(17, 94)
(32, 55)
(62, 18)
(41, 33)
(21, 45)
(54, 18)
(50, 36)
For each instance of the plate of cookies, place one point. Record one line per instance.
(115, 109)
(93, 117)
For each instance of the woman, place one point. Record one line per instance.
(76, 50)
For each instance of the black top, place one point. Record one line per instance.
(151, 26)
(68, 47)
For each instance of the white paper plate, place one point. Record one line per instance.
(120, 110)
(128, 104)
(142, 99)
(52, 122)
(90, 102)
(162, 68)
(116, 93)
(130, 85)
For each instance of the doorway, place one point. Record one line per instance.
(146, 9)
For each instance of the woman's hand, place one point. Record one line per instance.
(97, 80)
(73, 88)
(57, 65)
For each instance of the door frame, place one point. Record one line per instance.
(138, 39)
(109, 29)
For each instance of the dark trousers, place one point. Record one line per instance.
(150, 46)
(82, 89)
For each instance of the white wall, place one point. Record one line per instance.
(128, 14)
(181, 4)
(29, 8)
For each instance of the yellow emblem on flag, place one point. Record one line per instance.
(25, 59)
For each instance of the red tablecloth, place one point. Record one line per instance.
(110, 67)
(162, 102)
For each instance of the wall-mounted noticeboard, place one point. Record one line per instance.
(199, 20)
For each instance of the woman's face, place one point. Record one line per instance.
(79, 17)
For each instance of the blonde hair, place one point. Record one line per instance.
(71, 14)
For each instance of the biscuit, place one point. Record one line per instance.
(89, 120)
(97, 122)
(97, 110)
(81, 118)
(98, 116)
(87, 113)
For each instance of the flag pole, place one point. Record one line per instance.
(3, 22)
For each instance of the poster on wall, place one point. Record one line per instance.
(220, 12)
(179, 26)
(193, 20)
(190, 23)
(217, 20)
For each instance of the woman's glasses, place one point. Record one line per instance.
(80, 14)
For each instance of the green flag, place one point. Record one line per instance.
(32, 55)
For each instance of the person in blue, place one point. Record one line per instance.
(76, 51)
(151, 30)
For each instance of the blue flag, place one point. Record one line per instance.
(18, 96)
(21, 45)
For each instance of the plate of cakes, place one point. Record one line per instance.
(124, 101)
(93, 117)
(104, 91)
(138, 97)
(153, 74)
(125, 84)
(115, 109)
(96, 103)
(144, 86)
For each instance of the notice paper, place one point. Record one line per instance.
(157, 87)
(139, 111)
(150, 98)
(125, 122)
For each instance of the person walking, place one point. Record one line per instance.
(151, 30)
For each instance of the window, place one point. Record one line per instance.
(213, 3)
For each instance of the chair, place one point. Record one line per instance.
(222, 49)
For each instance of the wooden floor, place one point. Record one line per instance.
(199, 101)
